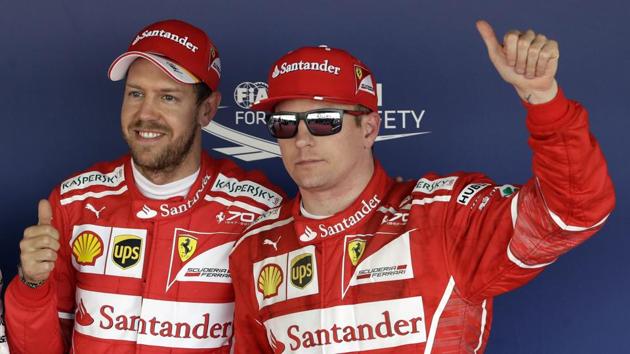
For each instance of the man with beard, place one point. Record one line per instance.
(130, 256)
(366, 264)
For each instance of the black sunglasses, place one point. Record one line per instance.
(319, 122)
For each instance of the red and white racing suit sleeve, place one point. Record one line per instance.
(498, 241)
(4, 347)
(250, 334)
(40, 320)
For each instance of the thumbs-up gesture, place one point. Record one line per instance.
(527, 60)
(39, 246)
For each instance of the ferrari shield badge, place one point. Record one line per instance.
(186, 246)
(355, 250)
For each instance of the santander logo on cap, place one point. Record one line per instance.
(320, 73)
(168, 35)
(304, 66)
(182, 50)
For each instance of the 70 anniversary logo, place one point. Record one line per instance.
(252, 148)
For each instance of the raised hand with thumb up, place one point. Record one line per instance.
(39, 246)
(526, 59)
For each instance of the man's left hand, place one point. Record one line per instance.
(527, 60)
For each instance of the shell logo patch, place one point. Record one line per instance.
(269, 280)
(87, 247)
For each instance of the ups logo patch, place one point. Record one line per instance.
(126, 250)
(302, 270)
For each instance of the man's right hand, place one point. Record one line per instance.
(38, 248)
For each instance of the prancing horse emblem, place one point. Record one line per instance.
(355, 250)
(186, 245)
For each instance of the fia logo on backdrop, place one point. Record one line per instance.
(396, 123)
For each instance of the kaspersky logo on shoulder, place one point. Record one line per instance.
(305, 66)
(245, 188)
(94, 178)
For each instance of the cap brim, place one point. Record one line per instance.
(268, 104)
(118, 70)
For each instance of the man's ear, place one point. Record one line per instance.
(370, 124)
(208, 108)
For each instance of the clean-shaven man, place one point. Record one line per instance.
(360, 263)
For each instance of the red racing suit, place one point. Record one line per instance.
(4, 347)
(412, 267)
(139, 275)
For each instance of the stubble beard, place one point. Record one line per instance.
(168, 158)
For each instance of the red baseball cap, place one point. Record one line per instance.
(320, 73)
(182, 50)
